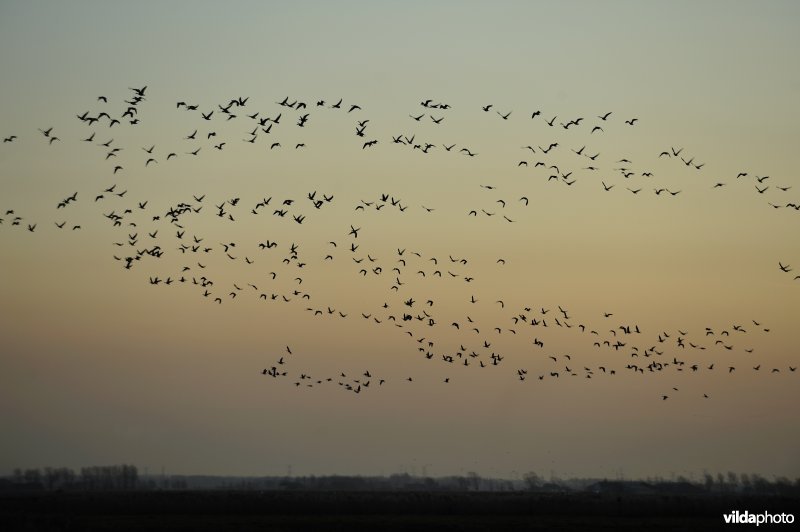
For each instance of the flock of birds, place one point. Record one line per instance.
(283, 272)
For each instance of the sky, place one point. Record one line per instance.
(100, 366)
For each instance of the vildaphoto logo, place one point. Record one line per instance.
(763, 518)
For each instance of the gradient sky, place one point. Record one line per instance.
(100, 367)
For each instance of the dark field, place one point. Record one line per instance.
(341, 510)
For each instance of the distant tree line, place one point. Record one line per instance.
(101, 478)
(746, 483)
(127, 478)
